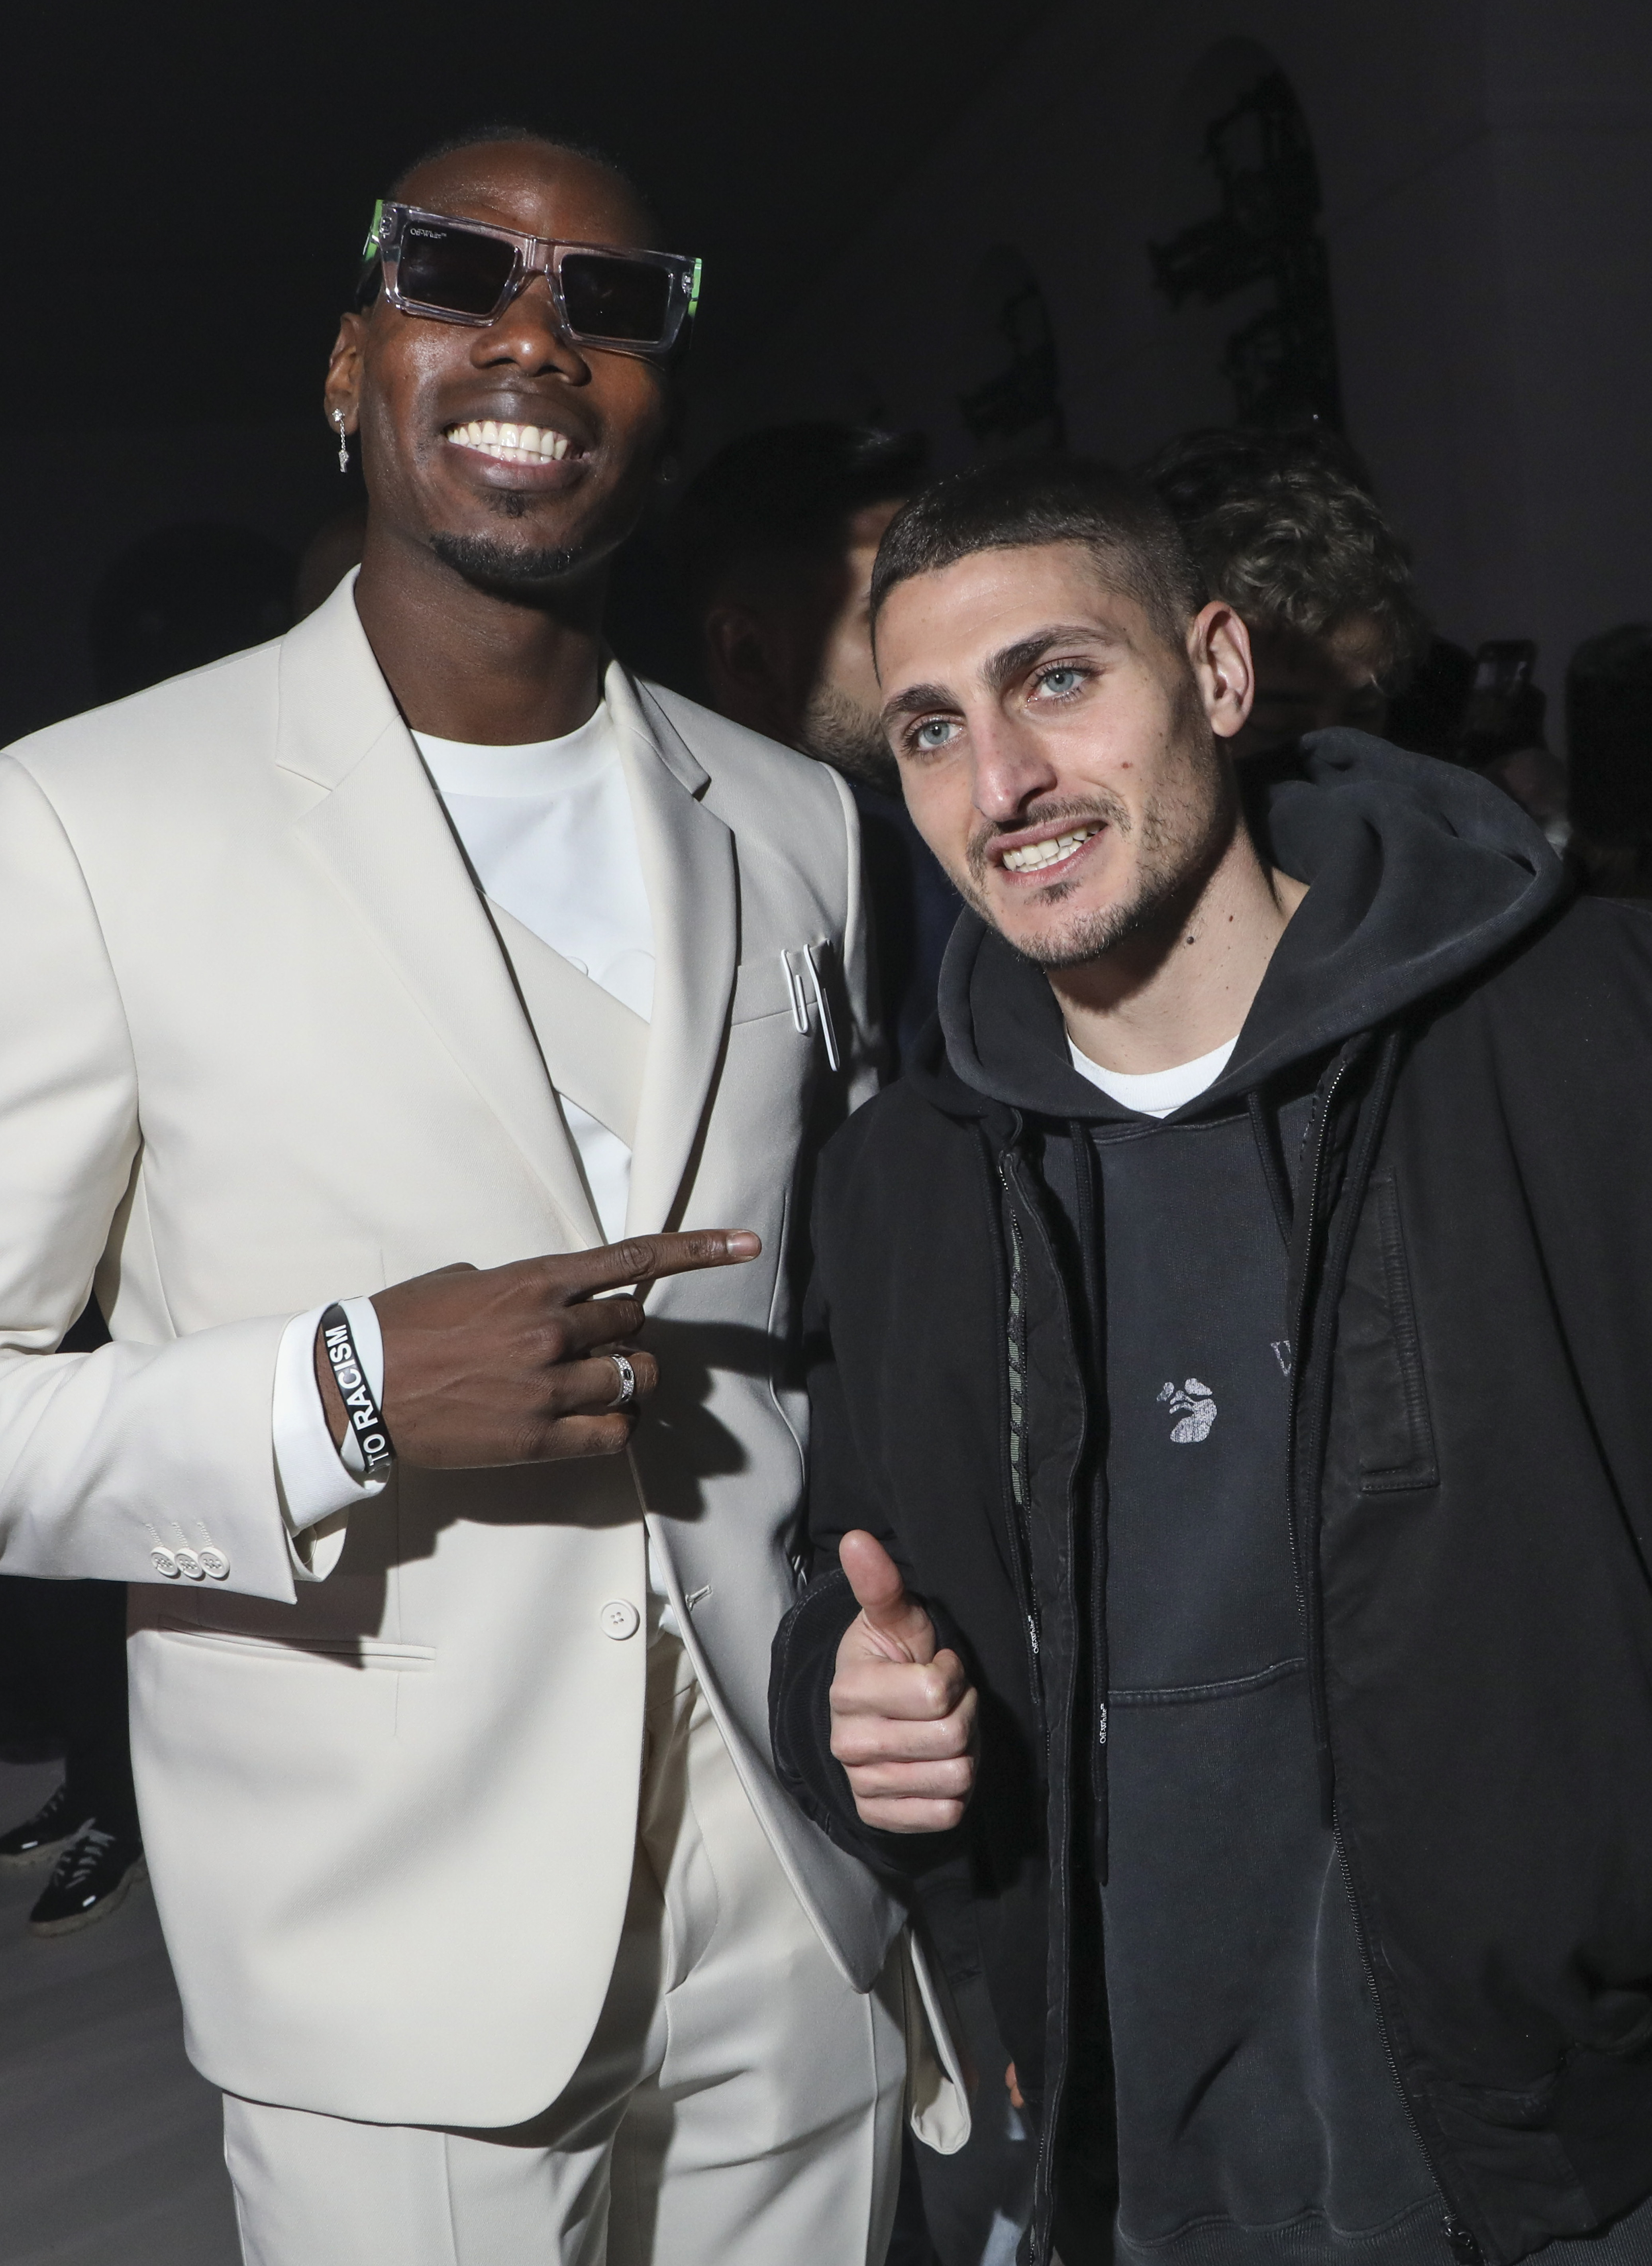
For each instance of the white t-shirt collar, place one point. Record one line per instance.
(528, 767)
(1156, 1092)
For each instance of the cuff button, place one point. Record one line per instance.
(164, 1563)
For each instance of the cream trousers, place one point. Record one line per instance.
(739, 2105)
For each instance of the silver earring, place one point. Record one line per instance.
(344, 453)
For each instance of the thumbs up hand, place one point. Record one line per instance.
(903, 1716)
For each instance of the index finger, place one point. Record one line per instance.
(642, 1257)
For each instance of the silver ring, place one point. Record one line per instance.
(627, 1392)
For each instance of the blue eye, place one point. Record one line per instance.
(1060, 680)
(938, 726)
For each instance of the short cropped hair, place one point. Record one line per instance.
(787, 493)
(1019, 503)
(1285, 528)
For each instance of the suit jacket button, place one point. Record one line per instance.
(215, 1562)
(188, 1564)
(163, 1563)
(619, 1618)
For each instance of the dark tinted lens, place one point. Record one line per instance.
(609, 298)
(450, 267)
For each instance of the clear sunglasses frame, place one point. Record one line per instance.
(533, 255)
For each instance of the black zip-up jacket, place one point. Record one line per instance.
(1469, 1490)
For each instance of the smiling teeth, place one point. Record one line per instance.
(511, 444)
(1047, 853)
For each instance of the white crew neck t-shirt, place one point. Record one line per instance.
(1156, 1092)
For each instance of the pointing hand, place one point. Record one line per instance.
(515, 1365)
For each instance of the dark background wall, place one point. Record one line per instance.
(1482, 163)
(871, 184)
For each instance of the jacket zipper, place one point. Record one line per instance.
(1060, 1895)
(1033, 1614)
(1464, 2247)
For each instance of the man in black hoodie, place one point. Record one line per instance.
(1231, 1504)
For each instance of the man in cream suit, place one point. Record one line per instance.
(402, 964)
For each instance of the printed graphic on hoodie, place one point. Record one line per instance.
(1201, 1410)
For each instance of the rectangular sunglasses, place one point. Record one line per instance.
(467, 271)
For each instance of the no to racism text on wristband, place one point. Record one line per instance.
(368, 1434)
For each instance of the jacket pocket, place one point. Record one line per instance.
(1382, 1354)
(781, 984)
(342, 1651)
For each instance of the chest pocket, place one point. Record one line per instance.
(798, 984)
(1381, 1354)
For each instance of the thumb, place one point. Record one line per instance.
(902, 1628)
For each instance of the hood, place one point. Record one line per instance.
(1418, 873)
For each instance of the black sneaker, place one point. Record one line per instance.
(49, 1831)
(89, 1881)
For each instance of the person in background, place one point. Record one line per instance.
(775, 538)
(1609, 745)
(1285, 528)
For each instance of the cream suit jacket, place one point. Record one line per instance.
(260, 1046)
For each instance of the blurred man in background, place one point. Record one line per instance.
(776, 538)
(1284, 527)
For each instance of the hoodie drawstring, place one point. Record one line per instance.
(1265, 1130)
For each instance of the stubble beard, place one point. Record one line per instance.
(1180, 836)
(512, 569)
(836, 730)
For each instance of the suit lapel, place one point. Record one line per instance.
(687, 865)
(595, 1047)
(380, 828)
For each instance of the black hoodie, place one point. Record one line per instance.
(1229, 2091)
(1441, 1083)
